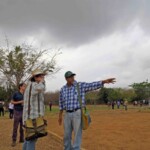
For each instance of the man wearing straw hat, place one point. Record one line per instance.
(37, 91)
(69, 103)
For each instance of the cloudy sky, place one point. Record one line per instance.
(98, 38)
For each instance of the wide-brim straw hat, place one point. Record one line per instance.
(37, 72)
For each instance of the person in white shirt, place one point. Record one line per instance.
(11, 110)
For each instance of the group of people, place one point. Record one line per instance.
(142, 103)
(3, 109)
(68, 103)
(118, 104)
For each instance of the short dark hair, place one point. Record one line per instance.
(20, 85)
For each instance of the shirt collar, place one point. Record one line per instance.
(74, 84)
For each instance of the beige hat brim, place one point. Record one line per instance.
(37, 72)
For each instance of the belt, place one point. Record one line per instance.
(71, 111)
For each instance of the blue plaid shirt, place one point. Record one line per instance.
(69, 95)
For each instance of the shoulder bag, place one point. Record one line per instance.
(85, 116)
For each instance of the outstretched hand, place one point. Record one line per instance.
(110, 80)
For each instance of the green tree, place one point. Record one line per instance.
(17, 63)
(129, 94)
(3, 93)
(92, 97)
(110, 94)
(113, 94)
(103, 95)
(142, 90)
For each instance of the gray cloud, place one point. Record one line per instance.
(124, 55)
(72, 22)
(101, 38)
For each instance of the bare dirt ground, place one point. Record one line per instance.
(114, 130)
(46, 143)
(110, 130)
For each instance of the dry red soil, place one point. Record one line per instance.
(114, 130)
(110, 130)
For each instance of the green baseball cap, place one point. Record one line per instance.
(69, 74)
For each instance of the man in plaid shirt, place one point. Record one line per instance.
(69, 102)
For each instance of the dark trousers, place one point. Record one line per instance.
(1, 111)
(17, 122)
(11, 113)
(113, 106)
(50, 107)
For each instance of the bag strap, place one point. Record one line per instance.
(79, 96)
(29, 100)
(39, 104)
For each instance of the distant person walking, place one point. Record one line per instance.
(11, 110)
(69, 102)
(17, 100)
(113, 105)
(118, 104)
(50, 105)
(135, 103)
(141, 103)
(1, 108)
(126, 105)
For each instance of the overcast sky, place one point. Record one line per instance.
(99, 38)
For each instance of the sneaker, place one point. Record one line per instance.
(13, 144)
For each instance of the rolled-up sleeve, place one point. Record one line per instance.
(91, 86)
(61, 100)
